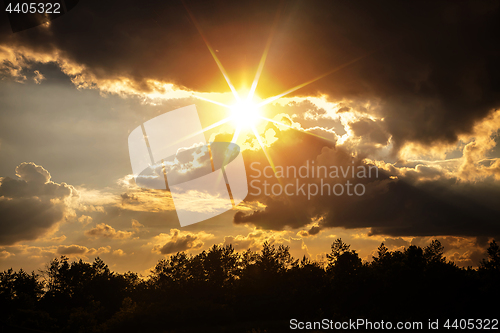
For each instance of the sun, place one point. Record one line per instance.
(245, 114)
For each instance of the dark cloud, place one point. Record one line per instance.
(314, 230)
(31, 204)
(432, 66)
(371, 130)
(27, 219)
(424, 203)
(275, 216)
(128, 197)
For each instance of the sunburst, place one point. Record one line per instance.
(245, 114)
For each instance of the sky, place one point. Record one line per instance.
(411, 89)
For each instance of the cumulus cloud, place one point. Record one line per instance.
(107, 231)
(119, 253)
(468, 258)
(38, 77)
(85, 219)
(79, 250)
(31, 204)
(475, 152)
(395, 242)
(137, 225)
(309, 115)
(178, 241)
(253, 240)
(5, 254)
(72, 249)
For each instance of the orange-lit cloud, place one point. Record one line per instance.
(107, 231)
(178, 241)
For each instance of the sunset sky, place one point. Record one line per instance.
(410, 87)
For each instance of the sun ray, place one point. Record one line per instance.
(220, 122)
(242, 117)
(264, 54)
(236, 134)
(217, 61)
(273, 98)
(257, 136)
(271, 163)
(211, 101)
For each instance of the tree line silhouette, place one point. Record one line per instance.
(221, 290)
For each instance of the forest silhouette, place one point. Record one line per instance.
(221, 290)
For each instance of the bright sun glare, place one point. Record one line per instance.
(245, 114)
